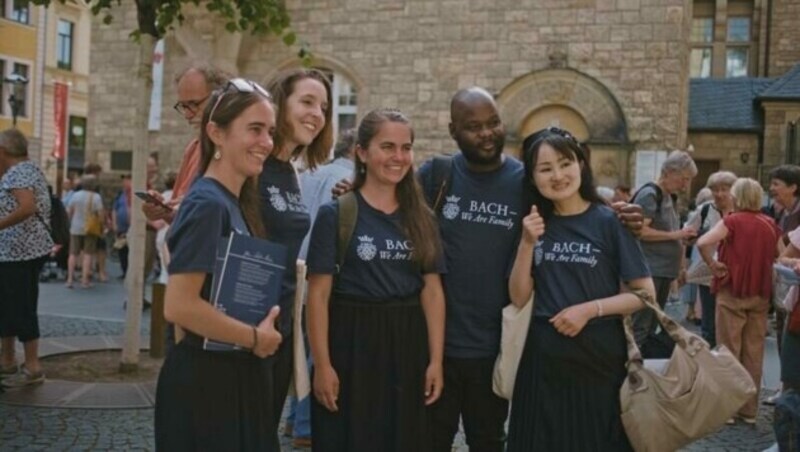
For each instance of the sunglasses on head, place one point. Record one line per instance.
(241, 85)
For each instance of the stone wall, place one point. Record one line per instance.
(727, 148)
(777, 116)
(414, 54)
(784, 46)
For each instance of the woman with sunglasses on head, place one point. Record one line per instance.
(573, 253)
(215, 400)
(376, 329)
(303, 131)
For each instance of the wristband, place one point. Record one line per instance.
(599, 308)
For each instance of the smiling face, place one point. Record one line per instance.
(477, 129)
(305, 110)
(557, 177)
(247, 141)
(782, 193)
(389, 156)
(722, 196)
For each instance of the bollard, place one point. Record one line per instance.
(158, 326)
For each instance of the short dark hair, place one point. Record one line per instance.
(789, 174)
(344, 144)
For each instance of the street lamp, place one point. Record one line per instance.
(17, 97)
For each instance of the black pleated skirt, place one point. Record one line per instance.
(215, 401)
(566, 395)
(379, 350)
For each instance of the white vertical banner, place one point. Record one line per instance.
(154, 123)
(648, 166)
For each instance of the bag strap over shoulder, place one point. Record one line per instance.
(656, 188)
(348, 213)
(441, 170)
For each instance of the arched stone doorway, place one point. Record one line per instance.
(574, 101)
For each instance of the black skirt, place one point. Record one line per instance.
(214, 401)
(566, 395)
(380, 353)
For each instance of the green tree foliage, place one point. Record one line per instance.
(156, 17)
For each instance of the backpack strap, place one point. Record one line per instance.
(656, 188)
(348, 213)
(441, 171)
(704, 213)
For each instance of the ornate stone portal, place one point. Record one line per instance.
(574, 101)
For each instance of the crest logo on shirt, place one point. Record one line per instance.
(366, 250)
(538, 253)
(451, 209)
(275, 198)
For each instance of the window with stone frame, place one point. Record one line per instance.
(64, 40)
(702, 39)
(724, 38)
(345, 102)
(16, 10)
(737, 47)
(10, 68)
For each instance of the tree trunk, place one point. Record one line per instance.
(137, 232)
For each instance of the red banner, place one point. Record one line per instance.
(60, 94)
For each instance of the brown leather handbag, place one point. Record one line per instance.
(692, 395)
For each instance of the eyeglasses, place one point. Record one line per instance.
(190, 106)
(242, 86)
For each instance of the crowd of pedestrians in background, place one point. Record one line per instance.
(404, 328)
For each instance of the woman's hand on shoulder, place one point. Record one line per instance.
(434, 382)
(269, 339)
(570, 321)
(326, 387)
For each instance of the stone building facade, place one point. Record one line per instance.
(615, 72)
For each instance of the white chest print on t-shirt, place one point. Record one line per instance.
(285, 201)
(567, 252)
(391, 250)
(492, 213)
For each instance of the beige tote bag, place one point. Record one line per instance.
(696, 391)
(516, 322)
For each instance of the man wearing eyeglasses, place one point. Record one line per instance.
(194, 85)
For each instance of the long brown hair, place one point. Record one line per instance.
(281, 87)
(232, 104)
(418, 221)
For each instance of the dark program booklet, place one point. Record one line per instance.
(246, 282)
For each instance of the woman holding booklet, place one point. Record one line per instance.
(205, 399)
(376, 307)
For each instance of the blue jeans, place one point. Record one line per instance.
(708, 326)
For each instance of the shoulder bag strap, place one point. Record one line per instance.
(348, 213)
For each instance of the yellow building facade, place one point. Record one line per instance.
(20, 55)
(48, 47)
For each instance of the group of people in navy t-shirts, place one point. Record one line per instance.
(404, 324)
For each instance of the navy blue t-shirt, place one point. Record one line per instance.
(377, 263)
(480, 225)
(208, 212)
(287, 221)
(583, 257)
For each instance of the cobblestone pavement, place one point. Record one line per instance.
(27, 428)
